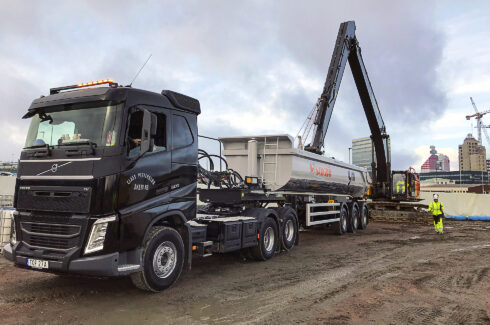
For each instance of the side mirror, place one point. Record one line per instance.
(145, 132)
(148, 132)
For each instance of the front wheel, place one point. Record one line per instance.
(163, 260)
(268, 240)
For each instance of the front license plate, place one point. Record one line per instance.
(37, 264)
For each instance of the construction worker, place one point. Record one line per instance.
(437, 210)
(400, 187)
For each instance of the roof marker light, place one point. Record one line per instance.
(84, 84)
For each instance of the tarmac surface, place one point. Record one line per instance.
(387, 274)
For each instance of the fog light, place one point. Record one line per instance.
(97, 235)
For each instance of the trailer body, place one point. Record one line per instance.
(283, 168)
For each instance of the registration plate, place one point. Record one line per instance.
(37, 264)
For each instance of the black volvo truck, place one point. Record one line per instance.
(107, 186)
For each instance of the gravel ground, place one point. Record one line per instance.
(387, 274)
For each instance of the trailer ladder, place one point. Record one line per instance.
(269, 167)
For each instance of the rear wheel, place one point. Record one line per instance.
(289, 229)
(163, 260)
(342, 224)
(364, 216)
(353, 223)
(268, 240)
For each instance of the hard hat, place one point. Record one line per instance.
(436, 196)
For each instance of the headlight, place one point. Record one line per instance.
(97, 235)
(13, 233)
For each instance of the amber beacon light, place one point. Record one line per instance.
(84, 84)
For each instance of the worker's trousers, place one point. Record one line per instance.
(438, 223)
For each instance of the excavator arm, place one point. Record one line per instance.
(347, 50)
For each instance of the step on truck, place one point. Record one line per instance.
(107, 185)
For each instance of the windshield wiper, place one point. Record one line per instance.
(77, 143)
(79, 151)
(40, 150)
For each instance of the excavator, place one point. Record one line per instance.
(390, 190)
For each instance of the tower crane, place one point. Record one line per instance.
(478, 116)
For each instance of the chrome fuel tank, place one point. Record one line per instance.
(284, 168)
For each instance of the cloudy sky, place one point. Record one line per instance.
(257, 67)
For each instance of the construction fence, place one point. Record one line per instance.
(6, 209)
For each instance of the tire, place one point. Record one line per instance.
(364, 216)
(163, 244)
(289, 229)
(342, 224)
(354, 215)
(268, 240)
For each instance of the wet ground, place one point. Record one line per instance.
(387, 274)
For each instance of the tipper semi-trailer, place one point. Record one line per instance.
(107, 186)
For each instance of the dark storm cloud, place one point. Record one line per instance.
(234, 56)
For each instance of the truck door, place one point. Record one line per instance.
(146, 176)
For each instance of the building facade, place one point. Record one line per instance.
(455, 177)
(435, 162)
(362, 152)
(472, 155)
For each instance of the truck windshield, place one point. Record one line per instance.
(75, 124)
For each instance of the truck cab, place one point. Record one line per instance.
(100, 169)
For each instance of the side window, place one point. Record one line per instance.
(181, 132)
(134, 133)
(160, 139)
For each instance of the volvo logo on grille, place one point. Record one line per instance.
(54, 168)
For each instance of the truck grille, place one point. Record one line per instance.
(49, 242)
(54, 236)
(52, 229)
(55, 198)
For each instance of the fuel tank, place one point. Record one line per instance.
(283, 168)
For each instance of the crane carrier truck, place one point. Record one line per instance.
(107, 182)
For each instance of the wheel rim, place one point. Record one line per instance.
(269, 238)
(364, 217)
(355, 219)
(165, 259)
(289, 230)
(344, 221)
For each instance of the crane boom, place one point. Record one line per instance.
(347, 49)
(480, 126)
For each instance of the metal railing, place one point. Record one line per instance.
(6, 208)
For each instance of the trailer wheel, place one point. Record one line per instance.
(268, 240)
(364, 217)
(342, 224)
(163, 260)
(289, 230)
(353, 223)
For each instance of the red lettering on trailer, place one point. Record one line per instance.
(321, 171)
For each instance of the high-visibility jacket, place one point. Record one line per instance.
(400, 186)
(436, 208)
